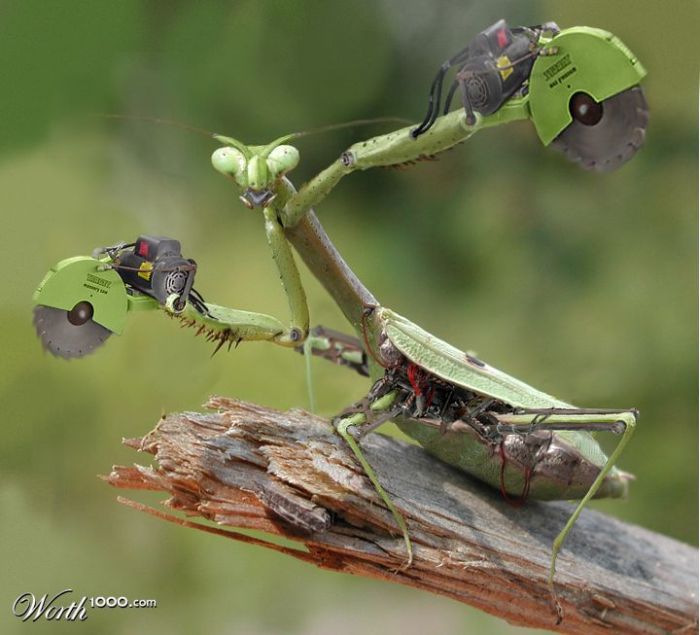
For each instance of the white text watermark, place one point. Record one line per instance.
(55, 608)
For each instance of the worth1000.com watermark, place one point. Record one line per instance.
(54, 608)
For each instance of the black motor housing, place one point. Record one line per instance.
(155, 266)
(498, 63)
(495, 64)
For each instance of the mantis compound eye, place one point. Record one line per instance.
(231, 162)
(282, 159)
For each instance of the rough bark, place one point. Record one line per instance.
(288, 473)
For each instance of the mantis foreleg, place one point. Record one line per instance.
(396, 148)
(291, 282)
(224, 325)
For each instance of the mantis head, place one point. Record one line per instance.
(256, 169)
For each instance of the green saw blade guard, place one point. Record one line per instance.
(83, 278)
(588, 60)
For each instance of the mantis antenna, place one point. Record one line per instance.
(347, 124)
(288, 137)
(158, 121)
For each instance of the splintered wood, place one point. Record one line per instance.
(289, 474)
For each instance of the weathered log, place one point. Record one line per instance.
(288, 473)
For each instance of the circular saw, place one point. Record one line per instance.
(83, 300)
(585, 98)
(580, 86)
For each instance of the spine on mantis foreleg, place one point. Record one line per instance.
(223, 325)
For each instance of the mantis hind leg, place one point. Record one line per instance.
(376, 408)
(629, 421)
(617, 421)
(365, 416)
(359, 419)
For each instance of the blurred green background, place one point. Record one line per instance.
(585, 285)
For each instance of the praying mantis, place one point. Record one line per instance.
(462, 410)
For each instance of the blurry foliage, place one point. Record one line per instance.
(584, 285)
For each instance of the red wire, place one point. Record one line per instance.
(413, 378)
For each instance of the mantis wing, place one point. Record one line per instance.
(455, 366)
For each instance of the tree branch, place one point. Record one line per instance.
(289, 474)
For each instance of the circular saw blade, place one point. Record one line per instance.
(612, 141)
(63, 339)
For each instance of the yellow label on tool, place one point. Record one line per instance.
(504, 61)
(145, 270)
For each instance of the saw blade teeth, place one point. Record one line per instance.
(63, 339)
(637, 138)
(614, 140)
